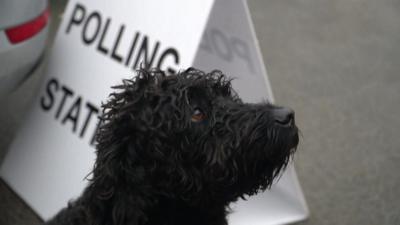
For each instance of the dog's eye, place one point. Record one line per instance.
(198, 115)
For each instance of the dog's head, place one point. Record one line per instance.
(189, 136)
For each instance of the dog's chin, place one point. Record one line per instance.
(278, 158)
(293, 139)
(280, 141)
(289, 138)
(287, 149)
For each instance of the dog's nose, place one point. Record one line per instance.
(284, 116)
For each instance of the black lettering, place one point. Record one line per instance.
(95, 16)
(92, 109)
(143, 50)
(66, 93)
(100, 46)
(242, 50)
(114, 54)
(221, 44)
(77, 16)
(174, 53)
(73, 114)
(51, 87)
(132, 48)
(93, 140)
(205, 42)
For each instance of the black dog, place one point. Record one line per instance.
(176, 150)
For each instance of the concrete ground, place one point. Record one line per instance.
(337, 63)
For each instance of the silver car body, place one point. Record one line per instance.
(17, 59)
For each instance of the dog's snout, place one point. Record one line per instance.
(284, 116)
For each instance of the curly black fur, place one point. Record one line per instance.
(176, 150)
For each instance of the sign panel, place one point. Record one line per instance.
(98, 44)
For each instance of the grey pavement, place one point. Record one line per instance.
(337, 63)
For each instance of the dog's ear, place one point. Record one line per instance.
(118, 188)
(118, 174)
(129, 117)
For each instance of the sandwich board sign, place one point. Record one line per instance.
(98, 44)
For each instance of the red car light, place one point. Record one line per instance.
(29, 29)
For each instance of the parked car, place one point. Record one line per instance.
(24, 28)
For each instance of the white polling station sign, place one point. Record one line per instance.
(101, 42)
